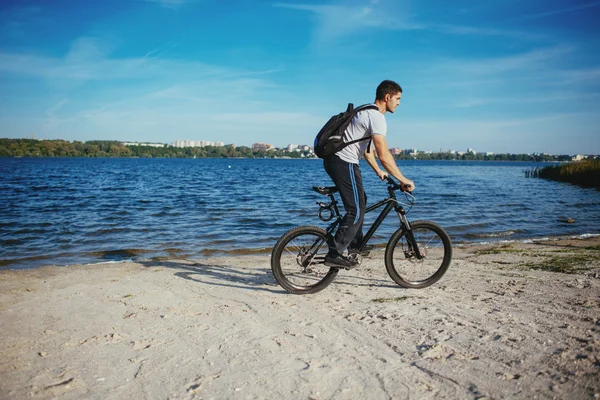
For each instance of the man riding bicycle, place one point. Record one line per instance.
(343, 168)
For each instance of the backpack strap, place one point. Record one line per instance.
(368, 106)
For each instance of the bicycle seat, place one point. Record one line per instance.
(325, 190)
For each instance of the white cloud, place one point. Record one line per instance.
(533, 98)
(542, 71)
(340, 20)
(172, 4)
(558, 11)
(86, 49)
(582, 75)
(155, 123)
(527, 61)
(513, 135)
(51, 112)
(90, 94)
(478, 31)
(89, 59)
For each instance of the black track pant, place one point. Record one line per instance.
(348, 179)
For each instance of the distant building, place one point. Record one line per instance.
(143, 144)
(196, 143)
(297, 148)
(579, 157)
(396, 151)
(262, 147)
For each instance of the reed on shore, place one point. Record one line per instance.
(583, 173)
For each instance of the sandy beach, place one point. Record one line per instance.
(506, 321)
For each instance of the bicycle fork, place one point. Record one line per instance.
(413, 246)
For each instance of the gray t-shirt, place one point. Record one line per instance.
(364, 124)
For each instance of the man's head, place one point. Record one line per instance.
(388, 95)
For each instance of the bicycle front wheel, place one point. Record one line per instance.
(401, 260)
(297, 260)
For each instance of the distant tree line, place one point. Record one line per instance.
(482, 157)
(107, 148)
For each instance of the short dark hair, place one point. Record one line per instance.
(387, 87)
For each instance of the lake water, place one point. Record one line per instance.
(59, 211)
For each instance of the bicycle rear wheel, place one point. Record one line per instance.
(297, 260)
(402, 263)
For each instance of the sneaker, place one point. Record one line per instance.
(364, 252)
(339, 261)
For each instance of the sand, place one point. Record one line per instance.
(500, 324)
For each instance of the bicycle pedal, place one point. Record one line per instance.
(357, 257)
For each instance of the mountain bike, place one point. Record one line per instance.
(417, 254)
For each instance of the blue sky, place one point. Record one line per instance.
(496, 75)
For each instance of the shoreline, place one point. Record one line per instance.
(281, 158)
(501, 323)
(248, 252)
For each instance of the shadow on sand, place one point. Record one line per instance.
(260, 279)
(221, 275)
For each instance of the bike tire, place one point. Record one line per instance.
(407, 270)
(291, 252)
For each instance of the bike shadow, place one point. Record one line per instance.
(257, 279)
(356, 280)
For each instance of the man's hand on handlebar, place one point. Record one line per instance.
(382, 175)
(408, 186)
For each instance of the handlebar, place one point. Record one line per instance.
(393, 185)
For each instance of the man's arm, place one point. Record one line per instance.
(388, 162)
(370, 157)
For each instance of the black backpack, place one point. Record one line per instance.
(330, 138)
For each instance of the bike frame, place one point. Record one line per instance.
(390, 203)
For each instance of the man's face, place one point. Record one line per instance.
(393, 101)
